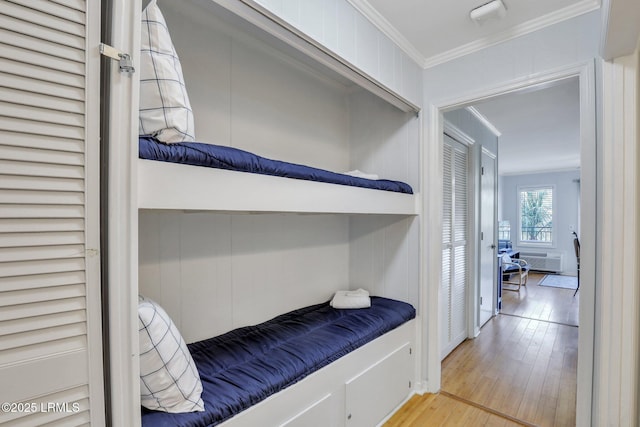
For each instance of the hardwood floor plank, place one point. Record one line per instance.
(439, 410)
(522, 366)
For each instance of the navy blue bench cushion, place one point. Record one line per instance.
(244, 366)
(221, 157)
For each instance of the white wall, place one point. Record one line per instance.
(248, 95)
(337, 25)
(215, 272)
(566, 211)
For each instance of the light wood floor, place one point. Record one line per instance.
(542, 302)
(518, 371)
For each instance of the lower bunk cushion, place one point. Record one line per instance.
(244, 366)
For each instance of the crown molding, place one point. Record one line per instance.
(380, 22)
(552, 18)
(369, 12)
(478, 115)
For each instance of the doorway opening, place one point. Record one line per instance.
(585, 300)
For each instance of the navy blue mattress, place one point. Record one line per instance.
(244, 366)
(217, 156)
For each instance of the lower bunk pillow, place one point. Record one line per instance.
(221, 157)
(245, 366)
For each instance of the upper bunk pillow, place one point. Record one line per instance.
(165, 111)
(169, 379)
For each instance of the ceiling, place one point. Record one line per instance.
(436, 31)
(540, 128)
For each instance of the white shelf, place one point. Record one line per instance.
(172, 186)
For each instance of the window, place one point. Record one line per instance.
(536, 215)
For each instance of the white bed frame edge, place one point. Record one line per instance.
(158, 188)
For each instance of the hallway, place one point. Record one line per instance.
(518, 371)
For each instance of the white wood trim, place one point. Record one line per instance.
(123, 222)
(92, 219)
(619, 323)
(457, 134)
(616, 15)
(433, 221)
(196, 189)
(484, 121)
(536, 24)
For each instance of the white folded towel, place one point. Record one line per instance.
(359, 174)
(351, 299)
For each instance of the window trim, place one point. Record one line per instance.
(554, 222)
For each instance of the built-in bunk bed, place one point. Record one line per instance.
(228, 264)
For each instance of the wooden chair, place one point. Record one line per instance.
(514, 272)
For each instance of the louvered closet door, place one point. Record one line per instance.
(50, 332)
(453, 311)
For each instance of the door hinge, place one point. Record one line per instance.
(482, 235)
(480, 300)
(124, 59)
(482, 170)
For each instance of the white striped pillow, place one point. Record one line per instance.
(165, 111)
(169, 379)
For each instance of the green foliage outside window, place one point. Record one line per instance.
(536, 215)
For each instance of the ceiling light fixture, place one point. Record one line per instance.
(489, 10)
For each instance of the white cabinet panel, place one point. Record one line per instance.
(377, 391)
(317, 415)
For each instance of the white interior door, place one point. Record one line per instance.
(488, 218)
(50, 312)
(453, 308)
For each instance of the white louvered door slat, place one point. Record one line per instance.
(50, 311)
(41, 19)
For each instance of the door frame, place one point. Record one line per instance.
(585, 72)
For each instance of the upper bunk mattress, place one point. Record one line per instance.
(244, 366)
(221, 157)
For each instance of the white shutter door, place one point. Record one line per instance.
(447, 248)
(50, 331)
(460, 227)
(453, 312)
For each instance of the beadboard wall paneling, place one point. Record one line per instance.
(337, 25)
(215, 272)
(251, 96)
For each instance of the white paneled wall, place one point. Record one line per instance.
(337, 25)
(248, 95)
(387, 145)
(215, 272)
(384, 256)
